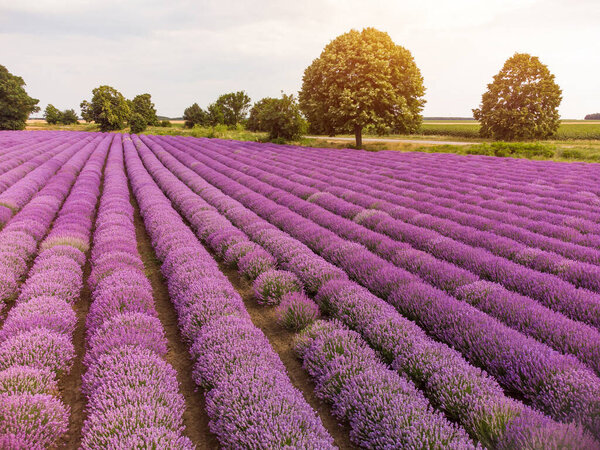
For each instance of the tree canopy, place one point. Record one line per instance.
(594, 116)
(234, 107)
(280, 117)
(108, 108)
(363, 78)
(15, 104)
(142, 105)
(194, 115)
(52, 114)
(522, 101)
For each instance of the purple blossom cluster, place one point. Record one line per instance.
(385, 410)
(129, 385)
(36, 346)
(386, 280)
(250, 399)
(296, 311)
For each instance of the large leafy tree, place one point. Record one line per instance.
(234, 107)
(142, 105)
(108, 108)
(522, 101)
(15, 104)
(363, 78)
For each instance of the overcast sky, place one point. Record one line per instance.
(185, 51)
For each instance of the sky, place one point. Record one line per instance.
(186, 51)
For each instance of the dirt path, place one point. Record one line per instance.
(70, 385)
(281, 341)
(404, 141)
(195, 418)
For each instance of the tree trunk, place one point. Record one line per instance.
(358, 136)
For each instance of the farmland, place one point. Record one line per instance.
(181, 292)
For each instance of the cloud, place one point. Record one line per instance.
(186, 51)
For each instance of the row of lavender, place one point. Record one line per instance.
(353, 384)
(573, 263)
(36, 347)
(444, 185)
(132, 392)
(478, 411)
(250, 400)
(517, 311)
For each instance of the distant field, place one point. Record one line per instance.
(588, 129)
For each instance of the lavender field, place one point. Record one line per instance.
(170, 292)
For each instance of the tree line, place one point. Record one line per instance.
(361, 81)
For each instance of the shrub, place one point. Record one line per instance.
(296, 311)
(69, 117)
(272, 285)
(137, 123)
(165, 123)
(281, 118)
(255, 263)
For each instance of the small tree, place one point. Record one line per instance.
(280, 117)
(108, 108)
(215, 115)
(363, 78)
(137, 123)
(52, 114)
(15, 104)
(142, 104)
(234, 107)
(194, 115)
(69, 117)
(86, 111)
(522, 101)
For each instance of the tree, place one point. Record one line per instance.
(234, 107)
(521, 103)
(594, 116)
(215, 115)
(194, 115)
(52, 114)
(142, 104)
(137, 123)
(280, 117)
(69, 117)
(108, 108)
(86, 111)
(15, 104)
(363, 78)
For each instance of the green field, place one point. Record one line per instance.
(470, 130)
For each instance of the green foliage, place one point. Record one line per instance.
(52, 114)
(165, 123)
(108, 108)
(142, 104)
(194, 115)
(280, 117)
(86, 111)
(521, 103)
(15, 104)
(233, 106)
(514, 149)
(137, 123)
(69, 117)
(215, 115)
(363, 78)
